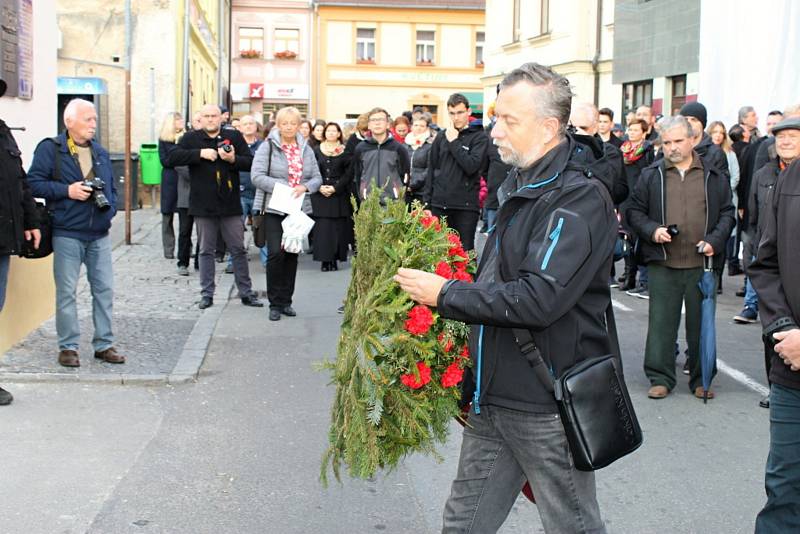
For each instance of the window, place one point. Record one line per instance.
(531, 19)
(678, 93)
(269, 109)
(428, 108)
(365, 45)
(251, 42)
(287, 40)
(426, 47)
(480, 39)
(637, 94)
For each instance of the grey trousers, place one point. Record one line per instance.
(168, 235)
(500, 449)
(232, 231)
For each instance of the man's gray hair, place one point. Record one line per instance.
(743, 112)
(556, 99)
(678, 121)
(71, 111)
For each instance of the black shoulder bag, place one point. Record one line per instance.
(593, 401)
(259, 222)
(45, 216)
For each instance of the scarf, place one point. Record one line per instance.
(295, 163)
(331, 149)
(631, 153)
(416, 141)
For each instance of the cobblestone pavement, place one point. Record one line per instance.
(154, 313)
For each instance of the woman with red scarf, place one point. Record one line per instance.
(637, 153)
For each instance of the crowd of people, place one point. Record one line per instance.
(670, 196)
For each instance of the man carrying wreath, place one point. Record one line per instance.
(544, 268)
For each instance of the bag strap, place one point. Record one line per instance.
(269, 171)
(528, 347)
(57, 170)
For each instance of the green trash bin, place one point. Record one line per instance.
(151, 165)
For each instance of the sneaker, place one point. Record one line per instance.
(229, 269)
(747, 316)
(740, 292)
(638, 290)
(612, 283)
(643, 294)
(183, 270)
(686, 368)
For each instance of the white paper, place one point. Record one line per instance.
(284, 201)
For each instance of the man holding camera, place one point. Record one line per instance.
(682, 212)
(73, 174)
(215, 156)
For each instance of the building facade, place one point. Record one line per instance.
(91, 62)
(657, 48)
(396, 54)
(30, 298)
(271, 57)
(574, 37)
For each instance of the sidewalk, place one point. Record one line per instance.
(157, 324)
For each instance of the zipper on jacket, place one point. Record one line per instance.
(476, 398)
(554, 235)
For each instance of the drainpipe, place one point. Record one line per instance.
(318, 60)
(597, 50)
(220, 32)
(185, 85)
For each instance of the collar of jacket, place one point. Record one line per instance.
(389, 139)
(275, 137)
(704, 145)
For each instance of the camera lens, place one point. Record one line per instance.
(672, 230)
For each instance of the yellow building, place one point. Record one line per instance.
(386, 54)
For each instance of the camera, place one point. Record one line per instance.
(672, 230)
(225, 145)
(100, 198)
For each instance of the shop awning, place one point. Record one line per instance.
(475, 101)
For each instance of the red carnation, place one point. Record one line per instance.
(444, 269)
(448, 346)
(454, 239)
(452, 375)
(462, 275)
(464, 353)
(424, 377)
(431, 220)
(458, 251)
(420, 320)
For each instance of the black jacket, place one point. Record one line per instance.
(169, 179)
(713, 154)
(648, 208)
(420, 160)
(214, 184)
(764, 181)
(454, 171)
(634, 170)
(496, 173)
(775, 274)
(605, 160)
(544, 268)
(17, 208)
(382, 165)
(334, 171)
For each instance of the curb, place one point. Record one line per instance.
(186, 368)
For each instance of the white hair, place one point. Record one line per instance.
(71, 111)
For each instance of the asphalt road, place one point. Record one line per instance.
(239, 451)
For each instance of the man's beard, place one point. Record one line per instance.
(515, 159)
(675, 157)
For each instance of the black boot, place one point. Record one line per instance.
(629, 283)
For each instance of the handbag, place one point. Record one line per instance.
(45, 217)
(46, 231)
(593, 401)
(259, 219)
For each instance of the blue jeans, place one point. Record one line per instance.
(782, 478)
(500, 449)
(5, 261)
(644, 277)
(69, 254)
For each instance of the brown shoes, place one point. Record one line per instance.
(110, 355)
(69, 358)
(658, 392)
(698, 392)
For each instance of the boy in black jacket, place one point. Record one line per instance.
(454, 171)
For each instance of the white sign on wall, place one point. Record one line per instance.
(274, 91)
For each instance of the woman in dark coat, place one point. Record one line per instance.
(418, 142)
(331, 207)
(171, 130)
